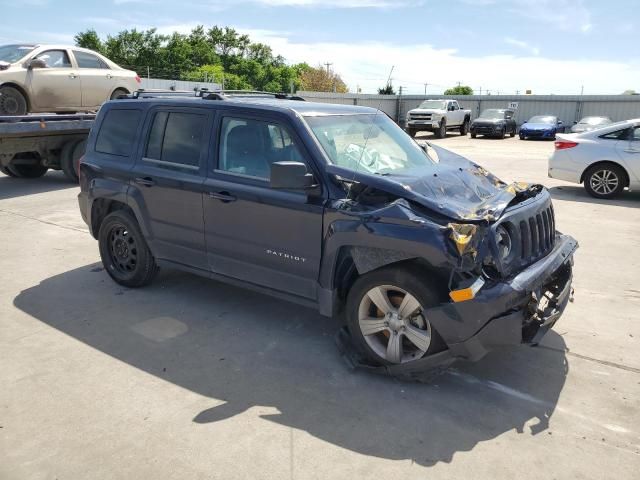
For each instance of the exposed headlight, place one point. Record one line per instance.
(503, 243)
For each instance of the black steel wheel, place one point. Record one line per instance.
(12, 102)
(124, 251)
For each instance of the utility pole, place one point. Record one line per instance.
(517, 92)
(582, 90)
(328, 65)
(480, 91)
(459, 82)
(425, 88)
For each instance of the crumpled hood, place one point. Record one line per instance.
(537, 126)
(453, 187)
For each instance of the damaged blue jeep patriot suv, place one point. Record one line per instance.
(426, 254)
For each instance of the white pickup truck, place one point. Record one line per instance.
(438, 116)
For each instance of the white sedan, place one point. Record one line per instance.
(606, 160)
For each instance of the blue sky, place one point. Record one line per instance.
(549, 46)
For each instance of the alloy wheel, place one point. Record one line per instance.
(604, 181)
(393, 324)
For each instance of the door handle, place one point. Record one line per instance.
(146, 181)
(109, 76)
(72, 75)
(224, 197)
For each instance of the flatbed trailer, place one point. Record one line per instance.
(30, 145)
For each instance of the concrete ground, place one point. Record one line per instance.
(190, 378)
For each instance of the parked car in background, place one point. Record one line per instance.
(606, 160)
(438, 116)
(541, 126)
(590, 123)
(494, 122)
(58, 78)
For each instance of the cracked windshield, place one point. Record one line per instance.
(367, 143)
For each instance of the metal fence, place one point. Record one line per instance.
(156, 83)
(568, 108)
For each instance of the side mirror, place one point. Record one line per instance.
(559, 122)
(575, 123)
(37, 63)
(291, 176)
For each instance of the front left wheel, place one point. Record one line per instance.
(386, 316)
(124, 251)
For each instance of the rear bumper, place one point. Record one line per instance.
(514, 312)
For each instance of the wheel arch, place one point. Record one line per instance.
(606, 162)
(352, 262)
(101, 207)
(22, 90)
(120, 88)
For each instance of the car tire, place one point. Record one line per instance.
(7, 172)
(464, 128)
(372, 329)
(513, 132)
(411, 132)
(522, 137)
(124, 252)
(67, 160)
(32, 170)
(503, 133)
(117, 92)
(441, 132)
(605, 181)
(473, 134)
(12, 102)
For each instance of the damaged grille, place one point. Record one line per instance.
(532, 229)
(420, 116)
(537, 235)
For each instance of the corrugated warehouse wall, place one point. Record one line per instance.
(568, 108)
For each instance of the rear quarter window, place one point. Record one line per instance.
(118, 132)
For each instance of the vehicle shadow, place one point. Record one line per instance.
(578, 194)
(18, 187)
(246, 349)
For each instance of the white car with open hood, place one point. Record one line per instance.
(606, 160)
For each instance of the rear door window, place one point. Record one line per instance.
(176, 139)
(87, 60)
(118, 132)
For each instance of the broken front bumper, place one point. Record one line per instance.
(517, 311)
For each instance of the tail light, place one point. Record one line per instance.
(138, 78)
(564, 144)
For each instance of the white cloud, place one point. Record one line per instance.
(367, 65)
(523, 45)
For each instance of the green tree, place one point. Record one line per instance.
(387, 90)
(459, 90)
(89, 39)
(138, 48)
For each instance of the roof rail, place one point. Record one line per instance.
(207, 94)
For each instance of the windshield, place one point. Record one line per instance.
(595, 121)
(492, 113)
(367, 143)
(433, 104)
(13, 53)
(542, 119)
